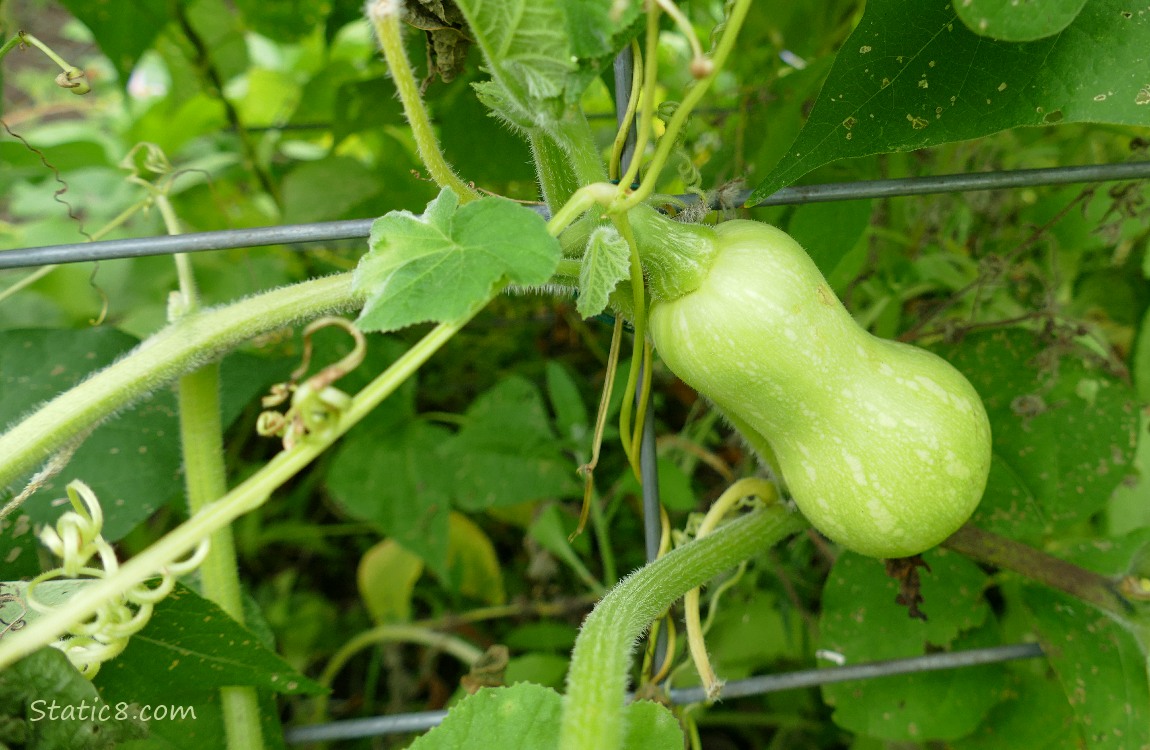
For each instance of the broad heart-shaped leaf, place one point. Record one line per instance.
(507, 452)
(123, 29)
(1033, 714)
(912, 75)
(191, 646)
(1063, 432)
(132, 462)
(446, 264)
(526, 717)
(1101, 668)
(861, 621)
(32, 686)
(395, 479)
(1012, 21)
(606, 263)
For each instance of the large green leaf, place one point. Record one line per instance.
(446, 264)
(191, 646)
(507, 451)
(132, 462)
(1033, 714)
(1064, 431)
(395, 480)
(46, 703)
(1013, 21)
(123, 29)
(526, 717)
(1101, 668)
(862, 622)
(912, 75)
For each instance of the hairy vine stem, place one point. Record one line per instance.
(248, 496)
(597, 681)
(181, 347)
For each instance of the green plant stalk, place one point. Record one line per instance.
(384, 16)
(597, 681)
(205, 476)
(690, 101)
(178, 348)
(26, 37)
(450, 644)
(248, 496)
(557, 180)
(639, 357)
(574, 135)
(1086, 585)
(201, 439)
(10, 45)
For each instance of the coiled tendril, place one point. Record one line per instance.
(76, 539)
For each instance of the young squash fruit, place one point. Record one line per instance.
(884, 447)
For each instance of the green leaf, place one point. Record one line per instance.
(525, 716)
(1012, 21)
(122, 29)
(606, 262)
(1100, 666)
(284, 21)
(520, 717)
(1033, 714)
(911, 75)
(327, 188)
(386, 577)
(446, 264)
(507, 452)
(526, 49)
(828, 231)
(191, 645)
(132, 462)
(395, 480)
(567, 403)
(473, 567)
(18, 546)
(1063, 430)
(32, 686)
(752, 634)
(862, 622)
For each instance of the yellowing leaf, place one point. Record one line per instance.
(386, 577)
(472, 564)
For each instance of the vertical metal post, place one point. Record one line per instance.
(648, 466)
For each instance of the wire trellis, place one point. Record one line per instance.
(424, 720)
(359, 229)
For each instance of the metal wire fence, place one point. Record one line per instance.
(359, 229)
(302, 234)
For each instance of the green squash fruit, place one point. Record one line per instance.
(884, 447)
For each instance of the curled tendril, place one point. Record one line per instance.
(316, 404)
(77, 538)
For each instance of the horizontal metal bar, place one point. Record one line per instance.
(418, 722)
(360, 228)
(957, 183)
(375, 726)
(774, 683)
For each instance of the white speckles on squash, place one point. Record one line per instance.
(883, 446)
